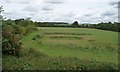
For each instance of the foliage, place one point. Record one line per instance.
(103, 26)
(12, 33)
(11, 43)
(30, 29)
(75, 24)
(51, 24)
(109, 26)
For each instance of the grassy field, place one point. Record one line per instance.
(68, 48)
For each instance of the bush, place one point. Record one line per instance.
(11, 43)
(30, 29)
(12, 32)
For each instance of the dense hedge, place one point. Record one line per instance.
(12, 32)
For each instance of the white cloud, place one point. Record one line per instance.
(84, 11)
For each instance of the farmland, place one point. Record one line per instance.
(59, 35)
(67, 47)
(52, 48)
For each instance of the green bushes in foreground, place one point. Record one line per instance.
(12, 33)
(30, 59)
(11, 41)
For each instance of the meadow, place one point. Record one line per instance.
(59, 48)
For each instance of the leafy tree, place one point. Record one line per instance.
(75, 24)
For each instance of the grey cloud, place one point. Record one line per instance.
(31, 9)
(94, 18)
(17, 1)
(7, 1)
(116, 6)
(7, 13)
(64, 17)
(32, 14)
(119, 4)
(85, 20)
(47, 8)
(23, 2)
(38, 8)
(54, 1)
(90, 8)
(88, 15)
(118, 16)
(69, 14)
(12, 15)
(108, 14)
(113, 3)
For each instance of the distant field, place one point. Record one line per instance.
(83, 43)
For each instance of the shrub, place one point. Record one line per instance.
(12, 32)
(11, 42)
(30, 29)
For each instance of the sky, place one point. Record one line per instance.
(83, 11)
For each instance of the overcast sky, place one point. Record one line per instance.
(83, 11)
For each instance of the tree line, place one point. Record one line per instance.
(51, 24)
(103, 25)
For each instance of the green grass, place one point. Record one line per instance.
(31, 59)
(68, 47)
(93, 44)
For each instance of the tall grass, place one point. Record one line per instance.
(66, 49)
(33, 60)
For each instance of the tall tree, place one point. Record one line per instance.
(75, 24)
